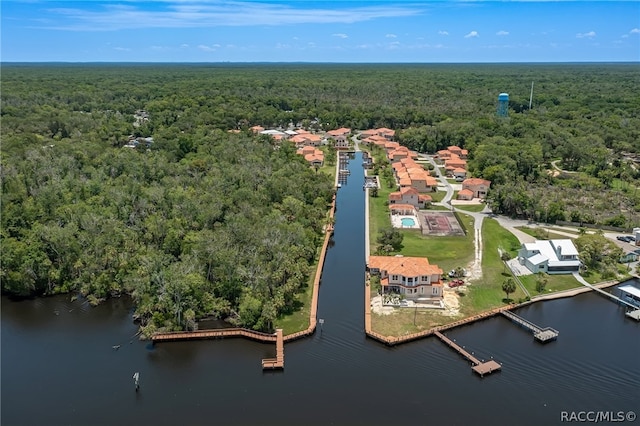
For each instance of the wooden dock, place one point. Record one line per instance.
(542, 335)
(479, 367)
(213, 334)
(276, 363)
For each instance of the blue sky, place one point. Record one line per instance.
(316, 31)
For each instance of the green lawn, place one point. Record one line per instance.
(437, 196)
(470, 207)
(487, 293)
(446, 252)
(378, 215)
(554, 283)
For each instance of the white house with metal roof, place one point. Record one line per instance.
(550, 256)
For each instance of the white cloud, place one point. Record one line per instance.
(206, 48)
(502, 33)
(590, 34)
(472, 34)
(445, 33)
(107, 16)
(122, 49)
(340, 35)
(391, 36)
(184, 46)
(635, 31)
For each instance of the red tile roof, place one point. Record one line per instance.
(404, 265)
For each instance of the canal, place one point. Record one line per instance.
(59, 366)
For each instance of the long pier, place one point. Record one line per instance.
(479, 367)
(267, 364)
(212, 334)
(604, 293)
(540, 334)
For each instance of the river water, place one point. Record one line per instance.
(59, 366)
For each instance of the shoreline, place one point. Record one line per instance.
(397, 340)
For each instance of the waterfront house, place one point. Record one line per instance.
(313, 155)
(550, 256)
(413, 277)
(341, 137)
(409, 195)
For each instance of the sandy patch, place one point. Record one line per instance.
(378, 308)
(451, 302)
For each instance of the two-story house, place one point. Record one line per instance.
(413, 277)
(478, 187)
(550, 256)
(409, 195)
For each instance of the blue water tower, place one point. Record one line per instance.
(503, 104)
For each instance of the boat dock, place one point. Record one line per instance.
(276, 363)
(479, 367)
(540, 334)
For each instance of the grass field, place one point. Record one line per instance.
(486, 293)
(446, 252)
(554, 283)
(437, 196)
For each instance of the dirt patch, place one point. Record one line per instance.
(451, 302)
(378, 308)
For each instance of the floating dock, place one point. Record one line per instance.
(479, 367)
(542, 335)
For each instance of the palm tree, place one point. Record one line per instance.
(508, 286)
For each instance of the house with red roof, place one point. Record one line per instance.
(413, 277)
(306, 139)
(341, 136)
(477, 187)
(409, 195)
(459, 173)
(313, 155)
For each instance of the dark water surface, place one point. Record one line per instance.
(59, 367)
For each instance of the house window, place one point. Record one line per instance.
(410, 280)
(394, 277)
(434, 290)
(425, 278)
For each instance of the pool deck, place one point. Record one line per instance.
(396, 221)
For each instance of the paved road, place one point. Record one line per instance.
(446, 201)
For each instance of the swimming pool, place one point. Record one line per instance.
(407, 221)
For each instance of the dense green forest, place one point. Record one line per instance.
(202, 222)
